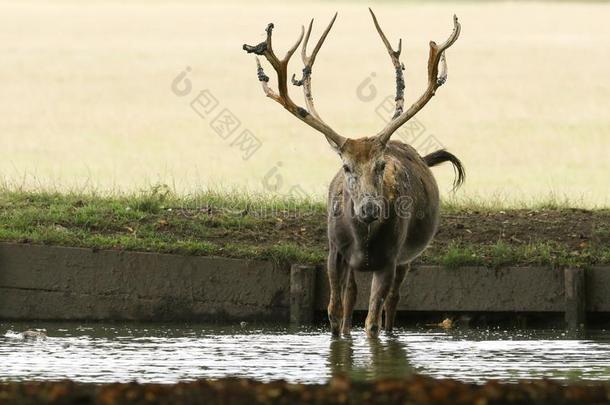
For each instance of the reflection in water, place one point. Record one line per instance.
(153, 353)
(386, 358)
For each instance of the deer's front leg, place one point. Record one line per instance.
(380, 287)
(336, 270)
(393, 297)
(350, 293)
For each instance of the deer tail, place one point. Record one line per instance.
(441, 156)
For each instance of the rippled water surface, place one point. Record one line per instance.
(110, 353)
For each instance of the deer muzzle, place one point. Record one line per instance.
(369, 210)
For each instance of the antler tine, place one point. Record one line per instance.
(436, 57)
(312, 57)
(454, 34)
(264, 79)
(281, 68)
(294, 47)
(383, 37)
(439, 54)
(304, 47)
(272, 58)
(398, 67)
(308, 62)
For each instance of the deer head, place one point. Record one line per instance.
(363, 159)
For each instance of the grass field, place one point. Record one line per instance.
(86, 100)
(293, 231)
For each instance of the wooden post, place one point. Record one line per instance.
(575, 299)
(302, 294)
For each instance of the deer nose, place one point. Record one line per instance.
(369, 210)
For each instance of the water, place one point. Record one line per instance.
(147, 353)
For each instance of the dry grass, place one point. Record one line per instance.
(86, 100)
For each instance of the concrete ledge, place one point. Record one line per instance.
(61, 283)
(598, 289)
(434, 288)
(47, 282)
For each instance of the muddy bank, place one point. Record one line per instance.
(339, 390)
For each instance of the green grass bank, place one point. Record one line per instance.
(251, 226)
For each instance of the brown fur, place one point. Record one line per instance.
(387, 246)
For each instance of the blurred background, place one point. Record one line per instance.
(116, 96)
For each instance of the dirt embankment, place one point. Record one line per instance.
(574, 229)
(339, 390)
(521, 236)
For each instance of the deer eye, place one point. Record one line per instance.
(347, 169)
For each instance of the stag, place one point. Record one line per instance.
(383, 204)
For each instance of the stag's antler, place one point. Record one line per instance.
(435, 80)
(308, 62)
(398, 66)
(310, 117)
